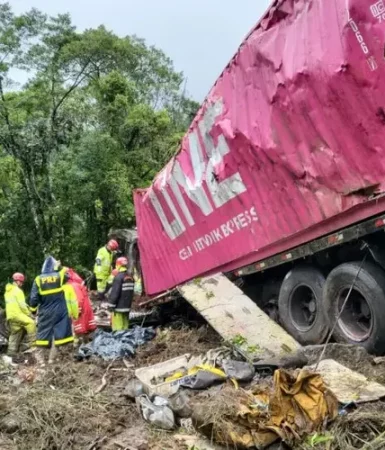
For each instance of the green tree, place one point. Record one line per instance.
(99, 116)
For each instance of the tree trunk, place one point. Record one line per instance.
(34, 210)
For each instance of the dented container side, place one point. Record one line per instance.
(290, 139)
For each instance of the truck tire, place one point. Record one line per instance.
(363, 319)
(269, 300)
(300, 305)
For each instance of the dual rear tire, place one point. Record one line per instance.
(309, 305)
(300, 305)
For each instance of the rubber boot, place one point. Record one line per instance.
(52, 354)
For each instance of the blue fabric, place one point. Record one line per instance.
(49, 265)
(54, 322)
(115, 345)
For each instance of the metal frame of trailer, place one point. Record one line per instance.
(302, 251)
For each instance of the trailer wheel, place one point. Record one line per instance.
(300, 305)
(363, 319)
(269, 300)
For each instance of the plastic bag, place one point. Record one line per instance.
(202, 377)
(239, 370)
(198, 377)
(115, 345)
(159, 416)
(133, 389)
(160, 401)
(180, 404)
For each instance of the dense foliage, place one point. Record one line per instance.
(99, 116)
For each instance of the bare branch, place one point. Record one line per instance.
(75, 84)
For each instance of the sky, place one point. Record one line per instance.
(200, 36)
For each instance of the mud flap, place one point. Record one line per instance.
(237, 318)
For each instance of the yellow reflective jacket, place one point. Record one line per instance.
(15, 305)
(103, 264)
(71, 301)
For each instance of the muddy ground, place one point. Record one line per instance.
(62, 408)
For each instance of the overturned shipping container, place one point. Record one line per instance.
(288, 146)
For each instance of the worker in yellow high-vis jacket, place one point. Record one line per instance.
(18, 314)
(103, 266)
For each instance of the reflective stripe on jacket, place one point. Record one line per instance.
(15, 305)
(50, 283)
(122, 292)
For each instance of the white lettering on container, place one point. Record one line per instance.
(206, 174)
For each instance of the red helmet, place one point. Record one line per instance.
(18, 277)
(122, 261)
(113, 245)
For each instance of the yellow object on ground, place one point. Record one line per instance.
(194, 370)
(298, 405)
(207, 368)
(176, 376)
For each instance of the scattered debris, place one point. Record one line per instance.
(49, 408)
(361, 429)
(149, 375)
(165, 378)
(297, 406)
(347, 385)
(138, 315)
(180, 404)
(197, 442)
(379, 360)
(59, 411)
(157, 412)
(103, 384)
(173, 342)
(289, 361)
(234, 316)
(119, 344)
(133, 389)
(238, 370)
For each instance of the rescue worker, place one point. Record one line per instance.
(103, 266)
(51, 298)
(85, 323)
(120, 297)
(19, 316)
(111, 280)
(71, 297)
